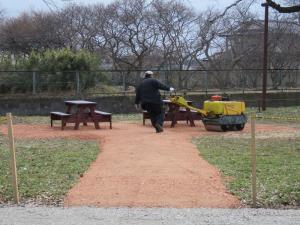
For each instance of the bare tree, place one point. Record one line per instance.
(1, 15)
(108, 32)
(19, 35)
(246, 47)
(284, 49)
(215, 41)
(76, 28)
(36, 31)
(129, 33)
(47, 27)
(177, 39)
(177, 34)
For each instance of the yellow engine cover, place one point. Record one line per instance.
(224, 107)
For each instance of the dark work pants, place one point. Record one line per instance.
(156, 113)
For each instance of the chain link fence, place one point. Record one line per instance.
(117, 82)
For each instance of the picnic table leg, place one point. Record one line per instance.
(77, 122)
(93, 115)
(144, 119)
(190, 117)
(69, 109)
(175, 115)
(78, 117)
(96, 123)
(63, 124)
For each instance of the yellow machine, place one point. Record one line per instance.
(218, 114)
(228, 108)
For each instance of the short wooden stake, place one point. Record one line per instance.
(253, 161)
(13, 158)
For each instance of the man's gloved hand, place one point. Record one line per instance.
(172, 89)
(137, 106)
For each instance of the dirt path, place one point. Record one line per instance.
(139, 168)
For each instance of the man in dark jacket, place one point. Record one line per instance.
(148, 96)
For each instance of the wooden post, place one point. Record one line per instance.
(13, 158)
(253, 160)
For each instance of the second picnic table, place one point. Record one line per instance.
(175, 113)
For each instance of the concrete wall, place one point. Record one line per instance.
(125, 104)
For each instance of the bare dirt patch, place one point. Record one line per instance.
(139, 168)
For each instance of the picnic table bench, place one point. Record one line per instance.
(59, 116)
(104, 117)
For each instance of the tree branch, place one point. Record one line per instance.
(225, 11)
(279, 8)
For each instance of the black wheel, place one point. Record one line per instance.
(224, 128)
(231, 127)
(240, 126)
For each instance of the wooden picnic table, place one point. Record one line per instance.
(84, 112)
(176, 113)
(81, 111)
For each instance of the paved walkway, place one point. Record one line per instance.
(146, 216)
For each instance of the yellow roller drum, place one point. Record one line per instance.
(224, 107)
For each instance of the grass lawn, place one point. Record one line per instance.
(47, 169)
(278, 168)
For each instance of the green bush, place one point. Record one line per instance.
(56, 70)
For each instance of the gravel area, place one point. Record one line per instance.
(142, 216)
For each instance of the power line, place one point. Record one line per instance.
(51, 5)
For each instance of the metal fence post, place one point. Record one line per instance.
(206, 81)
(34, 82)
(244, 82)
(124, 83)
(281, 80)
(77, 83)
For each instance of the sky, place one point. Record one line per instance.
(15, 7)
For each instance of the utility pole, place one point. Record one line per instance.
(265, 57)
